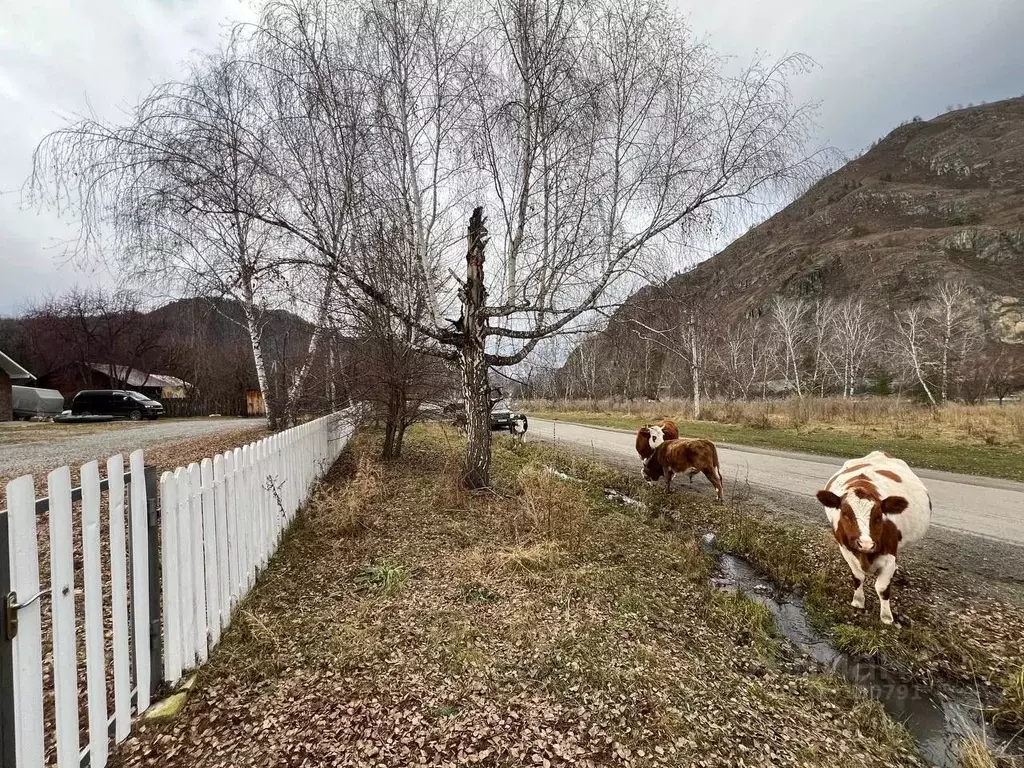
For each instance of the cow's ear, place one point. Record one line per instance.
(829, 499)
(894, 505)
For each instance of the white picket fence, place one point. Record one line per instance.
(228, 518)
(220, 521)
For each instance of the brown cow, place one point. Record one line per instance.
(673, 457)
(650, 435)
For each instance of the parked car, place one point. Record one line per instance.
(30, 402)
(501, 415)
(119, 403)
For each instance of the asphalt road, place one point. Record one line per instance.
(982, 506)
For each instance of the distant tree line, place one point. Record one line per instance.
(938, 350)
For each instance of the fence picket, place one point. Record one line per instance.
(62, 602)
(210, 550)
(195, 494)
(261, 503)
(221, 522)
(186, 590)
(119, 598)
(140, 578)
(92, 576)
(261, 506)
(230, 462)
(280, 499)
(170, 565)
(28, 644)
(245, 521)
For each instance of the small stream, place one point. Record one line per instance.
(938, 720)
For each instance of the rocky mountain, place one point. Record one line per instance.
(934, 200)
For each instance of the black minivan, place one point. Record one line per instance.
(115, 402)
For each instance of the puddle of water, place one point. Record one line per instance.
(937, 720)
(610, 493)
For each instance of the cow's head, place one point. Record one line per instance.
(657, 435)
(643, 441)
(861, 515)
(652, 470)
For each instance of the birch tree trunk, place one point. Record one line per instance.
(475, 384)
(694, 368)
(256, 340)
(311, 353)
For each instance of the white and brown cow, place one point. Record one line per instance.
(876, 506)
(684, 456)
(650, 436)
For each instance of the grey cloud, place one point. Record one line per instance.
(59, 59)
(880, 62)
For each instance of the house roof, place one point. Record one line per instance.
(13, 370)
(134, 378)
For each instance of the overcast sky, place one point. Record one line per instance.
(879, 62)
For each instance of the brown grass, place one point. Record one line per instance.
(535, 624)
(974, 754)
(1010, 713)
(350, 513)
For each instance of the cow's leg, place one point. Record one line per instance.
(886, 567)
(858, 577)
(712, 475)
(668, 480)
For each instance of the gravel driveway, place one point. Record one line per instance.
(34, 448)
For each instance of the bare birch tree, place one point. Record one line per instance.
(589, 131)
(955, 330)
(173, 190)
(790, 316)
(912, 345)
(856, 332)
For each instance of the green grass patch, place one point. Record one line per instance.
(384, 578)
(947, 455)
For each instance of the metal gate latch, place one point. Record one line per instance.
(11, 608)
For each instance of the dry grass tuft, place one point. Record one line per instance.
(974, 753)
(549, 509)
(350, 512)
(1010, 713)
